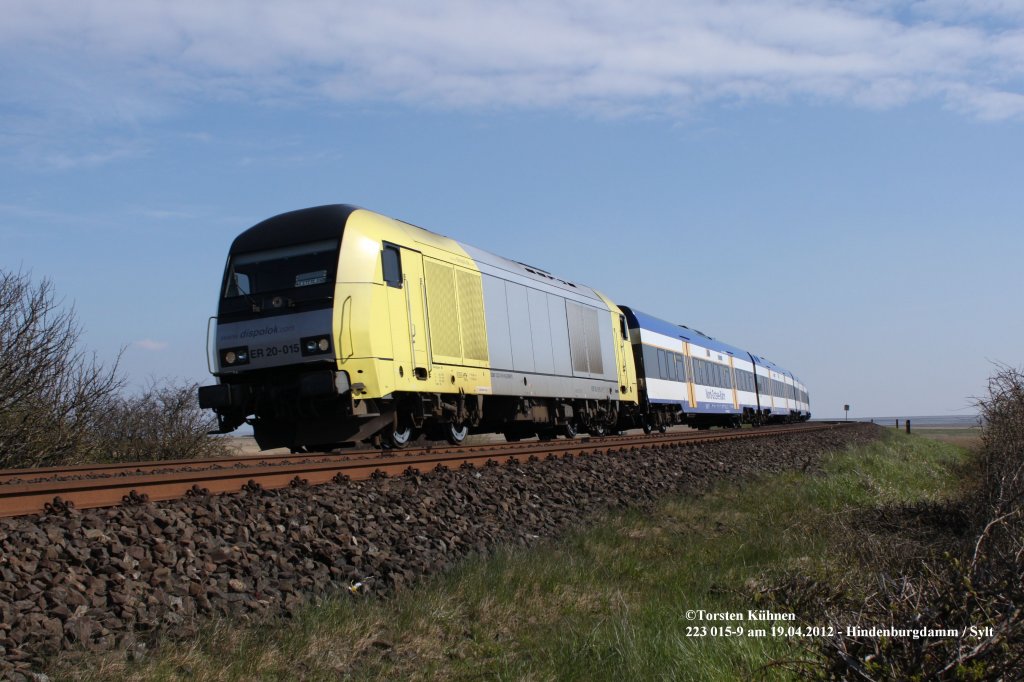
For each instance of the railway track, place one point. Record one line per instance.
(34, 491)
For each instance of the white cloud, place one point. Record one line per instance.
(151, 345)
(119, 61)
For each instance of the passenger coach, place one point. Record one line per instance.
(686, 377)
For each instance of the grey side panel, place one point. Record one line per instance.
(545, 386)
(609, 337)
(540, 328)
(589, 359)
(559, 336)
(499, 341)
(577, 339)
(519, 327)
(593, 329)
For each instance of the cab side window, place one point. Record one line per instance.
(392, 265)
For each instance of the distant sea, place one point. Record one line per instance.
(949, 420)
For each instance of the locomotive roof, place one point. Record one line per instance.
(295, 227)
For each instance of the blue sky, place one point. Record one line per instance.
(834, 185)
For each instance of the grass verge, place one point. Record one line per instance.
(604, 603)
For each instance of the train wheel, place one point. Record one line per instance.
(597, 429)
(397, 438)
(662, 428)
(456, 433)
(569, 430)
(646, 426)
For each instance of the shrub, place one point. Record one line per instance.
(970, 575)
(51, 391)
(59, 405)
(164, 422)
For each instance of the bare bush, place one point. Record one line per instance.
(59, 405)
(164, 422)
(1002, 461)
(50, 390)
(967, 579)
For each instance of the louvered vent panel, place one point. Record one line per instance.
(471, 315)
(442, 308)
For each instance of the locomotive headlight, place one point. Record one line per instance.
(315, 345)
(235, 356)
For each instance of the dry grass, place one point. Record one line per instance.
(968, 438)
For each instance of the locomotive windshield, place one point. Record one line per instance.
(290, 267)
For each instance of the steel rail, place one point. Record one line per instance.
(18, 499)
(19, 476)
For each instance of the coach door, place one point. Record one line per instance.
(691, 387)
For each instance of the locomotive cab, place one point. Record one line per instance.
(274, 354)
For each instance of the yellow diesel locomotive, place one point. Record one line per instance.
(336, 324)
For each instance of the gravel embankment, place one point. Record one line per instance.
(102, 579)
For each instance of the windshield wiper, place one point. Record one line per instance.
(256, 308)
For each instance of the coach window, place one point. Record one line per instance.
(650, 356)
(392, 265)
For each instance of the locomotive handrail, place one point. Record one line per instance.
(412, 325)
(341, 332)
(209, 355)
(426, 318)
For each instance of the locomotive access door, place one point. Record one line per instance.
(408, 326)
(416, 301)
